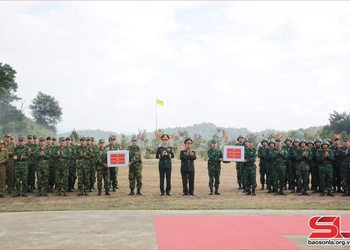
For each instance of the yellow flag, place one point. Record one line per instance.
(160, 102)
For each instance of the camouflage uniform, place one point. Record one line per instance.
(214, 168)
(135, 169)
(64, 155)
(239, 168)
(52, 165)
(345, 170)
(43, 156)
(10, 169)
(303, 156)
(269, 166)
(279, 168)
(3, 160)
(93, 165)
(31, 165)
(262, 154)
(102, 170)
(315, 175)
(113, 172)
(21, 169)
(83, 169)
(286, 163)
(326, 169)
(336, 182)
(72, 176)
(293, 166)
(249, 170)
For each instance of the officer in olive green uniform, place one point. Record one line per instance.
(262, 154)
(3, 160)
(325, 156)
(345, 167)
(164, 154)
(102, 168)
(21, 155)
(239, 166)
(286, 146)
(31, 164)
(42, 156)
(303, 156)
(10, 170)
(269, 166)
(279, 154)
(214, 166)
(293, 164)
(315, 175)
(135, 167)
(113, 172)
(249, 168)
(187, 156)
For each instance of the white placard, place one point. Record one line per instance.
(118, 158)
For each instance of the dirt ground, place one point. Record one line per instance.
(230, 198)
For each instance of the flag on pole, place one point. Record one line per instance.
(225, 136)
(171, 137)
(160, 102)
(181, 147)
(157, 137)
(197, 136)
(336, 135)
(279, 136)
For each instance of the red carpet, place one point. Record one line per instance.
(230, 232)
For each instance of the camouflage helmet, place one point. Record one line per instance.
(288, 139)
(318, 140)
(310, 142)
(296, 140)
(272, 141)
(264, 140)
(302, 140)
(278, 139)
(329, 141)
(240, 136)
(325, 142)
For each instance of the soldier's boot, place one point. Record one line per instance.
(80, 193)
(239, 186)
(211, 191)
(322, 193)
(131, 191)
(86, 192)
(269, 190)
(339, 190)
(93, 187)
(253, 192)
(45, 193)
(139, 191)
(90, 190)
(281, 192)
(262, 187)
(99, 191)
(276, 193)
(65, 193)
(2, 196)
(329, 193)
(24, 194)
(293, 190)
(107, 192)
(70, 189)
(39, 194)
(114, 189)
(306, 193)
(17, 194)
(248, 192)
(345, 193)
(217, 191)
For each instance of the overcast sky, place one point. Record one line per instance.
(280, 64)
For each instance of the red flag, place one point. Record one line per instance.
(279, 136)
(225, 136)
(158, 137)
(337, 135)
(181, 147)
(171, 137)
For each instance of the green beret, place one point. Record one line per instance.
(7, 135)
(164, 136)
(101, 141)
(21, 138)
(188, 139)
(134, 138)
(213, 141)
(35, 137)
(29, 137)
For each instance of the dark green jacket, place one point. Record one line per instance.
(164, 160)
(214, 162)
(187, 161)
(135, 157)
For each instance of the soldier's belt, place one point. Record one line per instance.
(326, 162)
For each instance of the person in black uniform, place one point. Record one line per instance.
(164, 154)
(187, 157)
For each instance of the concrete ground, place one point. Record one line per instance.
(121, 229)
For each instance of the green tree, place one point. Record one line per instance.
(46, 111)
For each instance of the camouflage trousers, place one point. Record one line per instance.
(292, 175)
(286, 176)
(92, 174)
(302, 173)
(249, 172)
(72, 176)
(263, 171)
(83, 171)
(326, 177)
(135, 175)
(269, 174)
(315, 176)
(240, 175)
(345, 174)
(52, 174)
(278, 172)
(62, 172)
(214, 177)
(21, 175)
(113, 177)
(42, 172)
(31, 175)
(102, 174)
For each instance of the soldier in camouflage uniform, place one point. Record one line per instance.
(263, 162)
(269, 166)
(239, 166)
(63, 155)
(113, 172)
(293, 165)
(10, 170)
(286, 146)
(325, 156)
(93, 164)
(83, 167)
(249, 168)
(52, 161)
(303, 156)
(315, 176)
(42, 156)
(72, 172)
(21, 155)
(31, 164)
(102, 168)
(345, 167)
(135, 167)
(279, 156)
(336, 166)
(214, 167)
(3, 160)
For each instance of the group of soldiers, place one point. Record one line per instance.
(290, 165)
(48, 166)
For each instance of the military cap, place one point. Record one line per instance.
(82, 138)
(288, 139)
(48, 138)
(7, 135)
(67, 138)
(325, 142)
(113, 137)
(345, 139)
(278, 139)
(41, 138)
(296, 140)
(336, 139)
(54, 138)
(92, 138)
(264, 140)
(21, 138)
(240, 136)
(213, 141)
(88, 138)
(250, 140)
(35, 137)
(317, 140)
(165, 137)
(62, 139)
(101, 141)
(272, 141)
(2, 142)
(188, 139)
(310, 142)
(302, 141)
(134, 138)
(29, 137)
